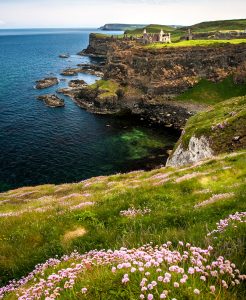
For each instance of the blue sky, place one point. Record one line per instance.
(93, 13)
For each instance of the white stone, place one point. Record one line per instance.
(198, 149)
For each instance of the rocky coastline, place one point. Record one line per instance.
(146, 82)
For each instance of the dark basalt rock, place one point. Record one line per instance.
(46, 82)
(70, 72)
(52, 100)
(77, 83)
(84, 69)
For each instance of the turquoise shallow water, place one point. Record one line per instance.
(42, 145)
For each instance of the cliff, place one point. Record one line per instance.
(170, 71)
(220, 129)
(99, 45)
(148, 81)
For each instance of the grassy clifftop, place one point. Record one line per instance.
(222, 25)
(128, 210)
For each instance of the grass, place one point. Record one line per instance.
(106, 88)
(219, 124)
(196, 43)
(43, 217)
(211, 93)
(237, 24)
(152, 28)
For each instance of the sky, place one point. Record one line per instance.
(94, 13)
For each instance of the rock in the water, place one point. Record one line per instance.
(70, 72)
(46, 82)
(77, 83)
(52, 100)
(65, 55)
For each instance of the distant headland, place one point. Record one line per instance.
(121, 27)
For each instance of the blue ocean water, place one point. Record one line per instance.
(41, 145)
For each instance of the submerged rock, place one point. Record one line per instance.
(65, 55)
(52, 100)
(46, 82)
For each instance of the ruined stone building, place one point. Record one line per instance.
(161, 37)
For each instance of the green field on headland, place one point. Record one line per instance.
(197, 43)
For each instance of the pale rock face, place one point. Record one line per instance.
(198, 149)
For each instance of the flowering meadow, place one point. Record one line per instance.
(149, 272)
(178, 234)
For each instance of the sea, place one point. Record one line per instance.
(41, 145)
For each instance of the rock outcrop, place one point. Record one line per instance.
(99, 45)
(46, 82)
(198, 149)
(220, 129)
(84, 68)
(52, 100)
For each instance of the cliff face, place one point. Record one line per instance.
(99, 45)
(149, 79)
(220, 129)
(171, 70)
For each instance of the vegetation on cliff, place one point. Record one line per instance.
(197, 43)
(209, 92)
(223, 125)
(127, 210)
(152, 28)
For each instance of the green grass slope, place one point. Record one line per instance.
(237, 24)
(209, 92)
(168, 204)
(224, 125)
(152, 28)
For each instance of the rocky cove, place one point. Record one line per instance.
(146, 82)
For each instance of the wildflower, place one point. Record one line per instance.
(84, 290)
(154, 283)
(182, 280)
(141, 296)
(176, 284)
(196, 291)
(113, 270)
(203, 278)
(163, 296)
(150, 297)
(212, 288)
